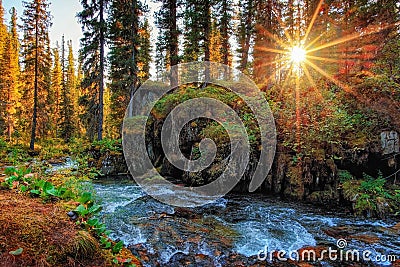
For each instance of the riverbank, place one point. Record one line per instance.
(33, 233)
(47, 219)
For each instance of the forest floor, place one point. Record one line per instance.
(33, 233)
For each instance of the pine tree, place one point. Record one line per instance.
(225, 27)
(93, 60)
(266, 25)
(80, 129)
(56, 88)
(46, 126)
(216, 50)
(36, 23)
(197, 25)
(245, 33)
(68, 98)
(3, 38)
(168, 38)
(144, 53)
(216, 42)
(9, 79)
(3, 29)
(125, 37)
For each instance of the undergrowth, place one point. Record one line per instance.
(51, 189)
(371, 196)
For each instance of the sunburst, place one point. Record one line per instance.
(299, 55)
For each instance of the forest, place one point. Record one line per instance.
(328, 69)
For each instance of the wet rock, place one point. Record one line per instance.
(340, 231)
(72, 215)
(180, 260)
(396, 228)
(141, 252)
(369, 239)
(186, 213)
(235, 259)
(204, 260)
(110, 163)
(396, 263)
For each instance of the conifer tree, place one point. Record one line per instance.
(126, 52)
(216, 42)
(56, 88)
(267, 24)
(245, 33)
(3, 29)
(92, 54)
(36, 23)
(9, 78)
(68, 98)
(144, 53)
(225, 27)
(168, 38)
(197, 25)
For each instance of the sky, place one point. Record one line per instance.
(64, 19)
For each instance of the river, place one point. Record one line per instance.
(236, 226)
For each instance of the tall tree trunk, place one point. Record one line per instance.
(248, 33)
(173, 43)
(35, 94)
(207, 35)
(134, 69)
(101, 88)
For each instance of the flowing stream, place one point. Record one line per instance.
(234, 225)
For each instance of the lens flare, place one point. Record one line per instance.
(297, 54)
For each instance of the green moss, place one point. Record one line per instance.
(213, 130)
(372, 196)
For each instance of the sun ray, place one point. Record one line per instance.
(311, 25)
(314, 41)
(274, 74)
(275, 38)
(274, 62)
(324, 59)
(311, 80)
(368, 31)
(298, 112)
(286, 81)
(277, 51)
(330, 77)
(308, 75)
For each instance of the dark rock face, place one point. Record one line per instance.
(309, 178)
(110, 163)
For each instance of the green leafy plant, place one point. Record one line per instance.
(16, 177)
(371, 195)
(344, 176)
(123, 262)
(23, 180)
(106, 144)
